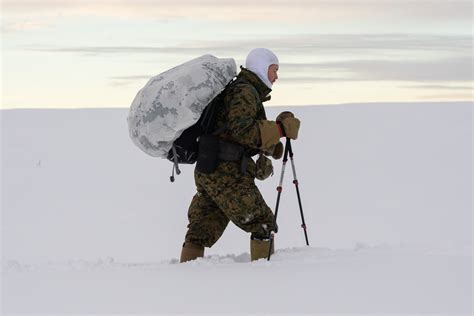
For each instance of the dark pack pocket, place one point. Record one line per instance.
(207, 154)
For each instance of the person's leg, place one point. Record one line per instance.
(243, 204)
(238, 197)
(206, 225)
(248, 210)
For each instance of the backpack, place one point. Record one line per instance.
(185, 148)
(173, 102)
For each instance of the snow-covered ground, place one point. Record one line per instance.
(299, 280)
(91, 225)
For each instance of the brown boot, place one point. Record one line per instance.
(259, 248)
(191, 251)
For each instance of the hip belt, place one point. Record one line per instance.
(233, 152)
(212, 150)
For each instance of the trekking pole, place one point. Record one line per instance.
(279, 189)
(295, 181)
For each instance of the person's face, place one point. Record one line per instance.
(272, 73)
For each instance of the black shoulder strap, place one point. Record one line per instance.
(207, 119)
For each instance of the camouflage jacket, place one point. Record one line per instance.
(243, 109)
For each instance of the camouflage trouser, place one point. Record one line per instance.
(225, 195)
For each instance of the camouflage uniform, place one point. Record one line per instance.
(228, 194)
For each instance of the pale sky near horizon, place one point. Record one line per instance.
(84, 53)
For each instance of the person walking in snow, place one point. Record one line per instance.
(227, 191)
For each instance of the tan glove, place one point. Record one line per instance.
(291, 126)
(283, 115)
(286, 126)
(278, 151)
(275, 151)
(269, 134)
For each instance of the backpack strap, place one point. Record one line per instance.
(175, 164)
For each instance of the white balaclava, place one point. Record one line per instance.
(258, 61)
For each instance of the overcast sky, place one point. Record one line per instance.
(84, 53)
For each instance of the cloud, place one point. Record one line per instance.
(439, 87)
(24, 25)
(449, 69)
(386, 57)
(459, 96)
(313, 45)
(441, 70)
(136, 77)
(114, 49)
(121, 81)
(244, 10)
(447, 58)
(311, 79)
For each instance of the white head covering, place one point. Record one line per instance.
(258, 61)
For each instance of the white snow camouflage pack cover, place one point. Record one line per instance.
(174, 100)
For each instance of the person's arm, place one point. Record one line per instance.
(242, 123)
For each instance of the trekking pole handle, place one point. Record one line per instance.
(285, 160)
